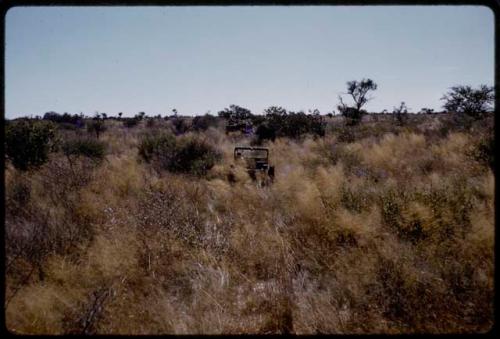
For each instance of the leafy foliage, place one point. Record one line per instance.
(202, 123)
(63, 118)
(358, 90)
(89, 148)
(235, 114)
(472, 102)
(28, 143)
(280, 123)
(185, 155)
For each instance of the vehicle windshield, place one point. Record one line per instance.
(252, 153)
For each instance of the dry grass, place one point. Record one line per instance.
(390, 233)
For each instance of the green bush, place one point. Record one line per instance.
(280, 123)
(28, 143)
(194, 156)
(89, 148)
(156, 146)
(185, 155)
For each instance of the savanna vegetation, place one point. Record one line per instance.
(375, 223)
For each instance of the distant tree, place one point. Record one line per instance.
(61, 118)
(401, 113)
(141, 115)
(425, 110)
(96, 125)
(275, 116)
(235, 113)
(358, 90)
(120, 115)
(104, 116)
(471, 102)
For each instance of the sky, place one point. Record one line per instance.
(203, 59)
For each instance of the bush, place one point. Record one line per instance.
(202, 123)
(157, 146)
(96, 126)
(194, 156)
(353, 116)
(150, 122)
(187, 155)
(401, 114)
(484, 152)
(265, 132)
(131, 122)
(63, 118)
(180, 126)
(89, 148)
(17, 195)
(27, 143)
(279, 122)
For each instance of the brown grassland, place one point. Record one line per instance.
(376, 228)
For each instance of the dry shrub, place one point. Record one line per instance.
(391, 232)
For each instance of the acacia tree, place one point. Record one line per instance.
(358, 90)
(469, 101)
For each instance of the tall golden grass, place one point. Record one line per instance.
(390, 233)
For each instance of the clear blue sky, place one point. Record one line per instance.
(196, 59)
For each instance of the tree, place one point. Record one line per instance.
(358, 90)
(235, 113)
(466, 100)
(425, 110)
(275, 116)
(61, 118)
(120, 115)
